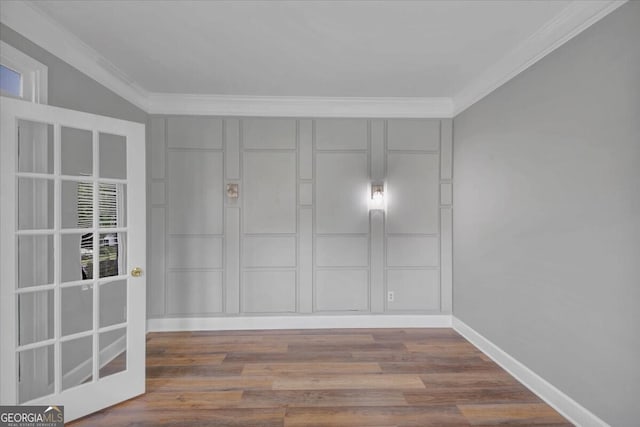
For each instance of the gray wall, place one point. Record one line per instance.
(547, 217)
(300, 239)
(70, 88)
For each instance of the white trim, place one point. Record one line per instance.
(298, 106)
(576, 17)
(296, 322)
(35, 25)
(569, 408)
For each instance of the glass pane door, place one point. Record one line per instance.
(69, 243)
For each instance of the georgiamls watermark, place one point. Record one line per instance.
(32, 416)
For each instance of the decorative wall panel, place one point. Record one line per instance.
(413, 134)
(342, 290)
(269, 192)
(413, 251)
(194, 292)
(269, 292)
(194, 252)
(413, 185)
(269, 251)
(269, 133)
(341, 134)
(194, 192)
(342, 251)
(156, 282)
(194, 132)
(414, 290)
(300, 237)
(342, 180)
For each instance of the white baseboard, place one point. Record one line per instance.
(298, 322)
(562, 403)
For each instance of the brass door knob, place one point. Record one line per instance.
(136, 272)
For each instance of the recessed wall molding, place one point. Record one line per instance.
(33, 24)
(300, 237)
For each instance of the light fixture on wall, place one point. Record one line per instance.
(232, 191)
(377, 197)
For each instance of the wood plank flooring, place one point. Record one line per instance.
(338, 377)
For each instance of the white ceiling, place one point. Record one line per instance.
(338, 49)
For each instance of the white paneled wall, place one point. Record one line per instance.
(300, 237)
(269, 216)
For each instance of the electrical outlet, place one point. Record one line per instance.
(390, 296)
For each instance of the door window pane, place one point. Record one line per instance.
(113, 303)
(77, 361)
(35, 147)
(113, 205)
(35, 373)
(76, 309)
(113, 156)
(35, 317)
(35, 260)
(76, 257)
(35, 203)
(113, 257)
(113, 352)
(77, 151)
(77, 204)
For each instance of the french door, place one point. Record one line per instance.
(72, 257)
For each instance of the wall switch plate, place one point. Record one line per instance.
(390, 296)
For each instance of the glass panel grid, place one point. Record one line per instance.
(102, 252)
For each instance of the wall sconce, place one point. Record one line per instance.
(377, 197)
(232, 191)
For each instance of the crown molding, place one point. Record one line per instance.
(299, 106)
(36, 26)
(575, 18)
(32, 23)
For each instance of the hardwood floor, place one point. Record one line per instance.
(357, 377)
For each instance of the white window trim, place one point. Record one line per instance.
(34, 74)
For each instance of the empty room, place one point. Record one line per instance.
(319, 213)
